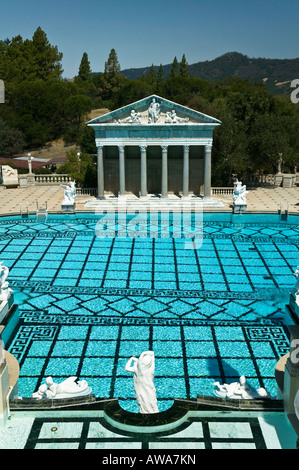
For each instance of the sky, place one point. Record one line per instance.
(145, 32)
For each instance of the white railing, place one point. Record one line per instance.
(52, 179)
(87, 192)
(260, 180)
(222, 191)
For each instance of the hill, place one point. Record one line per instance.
(277, 74)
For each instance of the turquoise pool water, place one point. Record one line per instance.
(86, 304)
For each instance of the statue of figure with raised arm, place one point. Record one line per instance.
(70, 193)
(144, 370)
(153, 111)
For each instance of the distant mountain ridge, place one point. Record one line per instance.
(276, 74)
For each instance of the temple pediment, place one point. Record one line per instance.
(154, 110)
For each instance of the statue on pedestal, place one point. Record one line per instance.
(296, 288)
(70, 193)
(5, 291)
(144, 370)
(239, 196)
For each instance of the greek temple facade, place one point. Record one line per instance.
(154, 146)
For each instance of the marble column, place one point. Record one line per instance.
(100, 171)
(186, 171)
(207, 171)
(143, 171)
(121, 150)
(164, 183)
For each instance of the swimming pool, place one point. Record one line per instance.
(86, 304)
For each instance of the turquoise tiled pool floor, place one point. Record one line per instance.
(87, 304)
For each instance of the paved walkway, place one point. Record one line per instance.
(260, 199)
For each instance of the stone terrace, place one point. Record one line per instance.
(258, 200)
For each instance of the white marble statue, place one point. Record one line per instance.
(70, 193)
(133, 118)
(172, 118)
(296, 288)
(144, 370)
(239, 196)
(69, 388)
(153, 111)
(5, 291)
(238, 390)
(9, 176)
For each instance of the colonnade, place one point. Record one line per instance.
(143, 170)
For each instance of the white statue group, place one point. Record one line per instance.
(70, 193)
(239, 390)
(5, 291)
(239, 196)
(153, 116)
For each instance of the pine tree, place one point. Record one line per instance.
(150, 77)
(84, 68)
(112, 79)
(112, 67)
(184, 67)
(160, 80)
(174, 72)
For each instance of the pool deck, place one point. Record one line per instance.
(258, 200)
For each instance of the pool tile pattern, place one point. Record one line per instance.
(87, 304)
(96, 433)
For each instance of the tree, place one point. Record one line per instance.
(84, 68)
(184, 67)
(150, 77)
(112, 80)
(80, 168)
(174, 71)
(160, 80)
(28, 60)
(12, 141)
(76, 107)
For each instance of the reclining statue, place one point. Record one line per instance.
(143, 370)
(69, 388)
(239, 390)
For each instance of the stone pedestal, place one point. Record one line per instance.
(239, 208)
(67, 207)
(4, 392)
(291, 373)
(5, 307)
(278, 179)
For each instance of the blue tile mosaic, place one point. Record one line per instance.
(88, 304)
